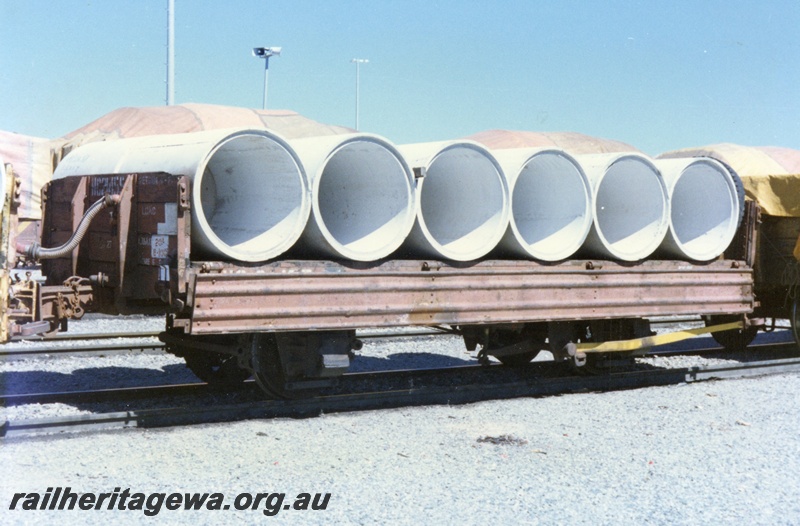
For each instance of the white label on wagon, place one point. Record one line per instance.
(170, 225)
(159, 246)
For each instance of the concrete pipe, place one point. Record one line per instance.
(704, 208)
(250, 199)
(463, 201)
(630, 208)
(551, 203)
(362, 194)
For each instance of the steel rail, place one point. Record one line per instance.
(105, 395)
(23, 353)
(788, 346)
(127, 394)
(412, 396)
(100, 349)
(71, 336)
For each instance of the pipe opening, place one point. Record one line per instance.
(551, 208)
(631, 209)
(253, 197)
(463, 203)
(364, 200)
(704, 210)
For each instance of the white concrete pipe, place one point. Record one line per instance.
(463, 201)
(704, 208)
(551, 203)
(250, 199)
(362, 194)
(630, 208)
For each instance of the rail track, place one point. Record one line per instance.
(358, 392)
(347, 383)
(91, 348)
(363, 333)
(96, 344)
(99, 347)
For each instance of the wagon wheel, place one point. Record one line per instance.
(518, 360)
(216, 369)
(503, 338)
(268, 369)
(733, 340)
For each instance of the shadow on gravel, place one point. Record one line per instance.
(758, 351)
(406, 360)
(19, 382)
(541, 378)
(22, 382)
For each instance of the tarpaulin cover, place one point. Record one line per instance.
(185, 118)
(34, 159)
(771, 175)
(573, 143)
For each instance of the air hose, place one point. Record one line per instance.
(36, 251)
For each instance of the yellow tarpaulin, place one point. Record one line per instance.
(770, 175)
(797, 249)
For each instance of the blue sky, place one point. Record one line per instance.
(658, 75)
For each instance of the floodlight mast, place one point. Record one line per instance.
(358, 62)
(265, 53)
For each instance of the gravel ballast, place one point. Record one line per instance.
(704, 453)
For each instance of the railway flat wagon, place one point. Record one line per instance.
(125, 248)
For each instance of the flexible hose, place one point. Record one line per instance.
(36, 251)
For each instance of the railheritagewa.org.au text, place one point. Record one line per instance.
(150, 504)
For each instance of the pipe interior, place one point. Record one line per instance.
(703, 210)
(462, 201)
(630, 208)
(252, 193)
(550, 205)
(364, 197)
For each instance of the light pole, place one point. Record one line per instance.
(265, 53)
(358, 62)
(170, 52)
